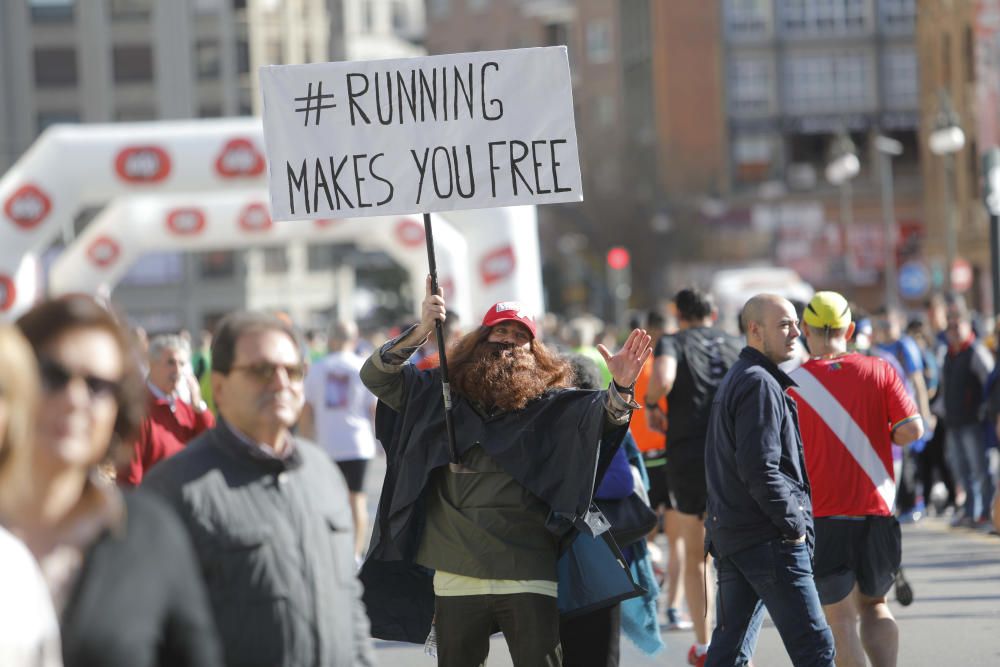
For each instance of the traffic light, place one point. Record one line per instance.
(618, 258)
(619, 282)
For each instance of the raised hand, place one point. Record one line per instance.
(628, 361)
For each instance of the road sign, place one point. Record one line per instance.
(914, 280)
(961, 275)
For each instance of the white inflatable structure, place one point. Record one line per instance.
(144, 171)
(132, 226)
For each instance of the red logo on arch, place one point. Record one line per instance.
(142, 164)
(324, 223)
(27, 206)
(239, 158)
(186, 221)
(255, 218)
(8, 292)
(409, 233)
(103, 251)
(497, 265)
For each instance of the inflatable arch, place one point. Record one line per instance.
(71, 167)
(132, 226)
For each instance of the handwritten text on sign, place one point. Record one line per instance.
(472, 130)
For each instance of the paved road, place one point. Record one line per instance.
(954, 620)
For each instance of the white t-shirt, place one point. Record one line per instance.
(29, 632)
(342, 407)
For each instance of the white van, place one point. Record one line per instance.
(732, 288)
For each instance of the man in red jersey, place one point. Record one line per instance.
(852, 408)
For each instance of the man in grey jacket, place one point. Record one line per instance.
(268, 513)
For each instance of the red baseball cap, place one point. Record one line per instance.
(509, 311)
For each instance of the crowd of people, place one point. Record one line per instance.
(167, 506)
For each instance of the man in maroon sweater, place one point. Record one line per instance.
(175, 411)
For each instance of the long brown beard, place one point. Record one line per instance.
(500, 376)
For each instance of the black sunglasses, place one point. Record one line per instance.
(55, 377)
(265, 371)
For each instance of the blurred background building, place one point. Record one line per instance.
(99, 61)
(712, 134)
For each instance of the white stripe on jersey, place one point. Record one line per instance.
(851, 435)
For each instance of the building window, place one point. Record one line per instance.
(156, 268)
(897, 15)
(131, 10)
(400, 17)
(747, 17)
(751, 85)
(135, 114)
(210, 111)
(216, 264)
(823, 17)
(51, 11)
(828, 83)
(606, 110)
(133, 64)
(243, 56)
(275, 259)
(207, 57)
(47, 118)
(208, 7)
(438, 9)
(55, 67)
(752, 156)
(900, 78)
(599, 48)
(368, 16)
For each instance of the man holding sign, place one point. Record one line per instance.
(490, 526)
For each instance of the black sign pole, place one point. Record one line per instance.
(439, 330)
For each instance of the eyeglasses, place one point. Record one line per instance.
(265, 370)
(55, 377)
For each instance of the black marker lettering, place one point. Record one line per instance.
(337, 190)
(493, 167)
(422, 168)
(351, 95)
(371, 168)
(319, 181)
(555, 177)
(515, 173)
(482, 94)
(537, 164)
(300, 183)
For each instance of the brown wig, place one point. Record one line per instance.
(479, 371)
(51, 319)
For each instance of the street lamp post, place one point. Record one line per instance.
(844, 166)
(889, 148)
(946, 140)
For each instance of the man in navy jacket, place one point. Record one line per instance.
(759, 525)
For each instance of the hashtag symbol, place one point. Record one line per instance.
(314, 103)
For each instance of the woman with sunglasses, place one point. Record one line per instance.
(119, 568)
(29, 634)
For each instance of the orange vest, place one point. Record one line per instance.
(647, 439)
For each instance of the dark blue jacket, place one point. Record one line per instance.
(754, 467)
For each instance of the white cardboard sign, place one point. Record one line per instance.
(415, 135)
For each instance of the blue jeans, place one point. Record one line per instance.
(776, 575)
(966, 453)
